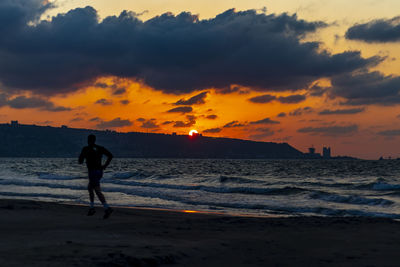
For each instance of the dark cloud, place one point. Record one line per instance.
(175, 54)
(195, 100)
(342, 111)
(316, 90)
(292, 99)
(104, 102)
(265, 121)
(264, 132)
(390, 133)
(300, 111)
(262, 99)
(213, 130)
(330, 130)
(191, 120)
(378, 31)
(181, 110)
(281, 115)
(181, 124)
(232, 89)
(96, 119)
(125, 102)
(366, 89)
(167, 122)
(22, 102)
(212, 117)
(76, 119)
(141, 119)
(115, 123)
(149, 124)
(101, 85)
(119, 91)
(234, 124)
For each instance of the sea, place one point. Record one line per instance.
(227, 186)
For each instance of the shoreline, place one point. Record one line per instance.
(47, 234)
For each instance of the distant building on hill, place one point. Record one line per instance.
(311, 153)
(326, 152)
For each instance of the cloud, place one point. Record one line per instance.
(292, 99)
(23, 102)
(234, 124)
(330, 130)
(390, 133)
(76, 119)
(300, 111)
(262, 99)
(181, 110)
(167, 122)
(124, 102)
(96, 119)
(119, 91)
(212, 117)
(141, 119)
(342, 111)
(149, 124)
(281, 115)
(174, 54)
(191, 120)
(115, 123)
(213, 130)
(265, 121)
(232, 89)
(367, 88)
(376, 31)
(181, 124)
(104, 102)
(265, 132)
(195, 100)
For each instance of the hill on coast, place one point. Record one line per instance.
(19, 140)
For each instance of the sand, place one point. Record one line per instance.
(50, 234)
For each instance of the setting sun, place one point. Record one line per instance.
(193, 132)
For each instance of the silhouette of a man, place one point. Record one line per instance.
(93, 154)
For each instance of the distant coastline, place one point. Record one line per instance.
(21, 140)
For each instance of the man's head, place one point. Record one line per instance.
(91, 139)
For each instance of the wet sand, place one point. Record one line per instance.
(50, 234)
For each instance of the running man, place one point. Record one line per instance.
(93, 154)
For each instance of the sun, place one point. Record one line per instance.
(193, 132)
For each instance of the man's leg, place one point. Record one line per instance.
(100, 195)
(91, 194)
(91, 197)
(108, 210)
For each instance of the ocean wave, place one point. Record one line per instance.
(213, 189)
(355, 200)
(47, 195)
(233, 179)
(382, 186)
(51, 176)
(133, 174)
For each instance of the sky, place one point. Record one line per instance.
(309, 73)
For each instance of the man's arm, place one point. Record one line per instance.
(81, 156)
(109, 157)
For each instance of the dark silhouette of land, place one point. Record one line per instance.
(19, 140)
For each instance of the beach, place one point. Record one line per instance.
(37, 233)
